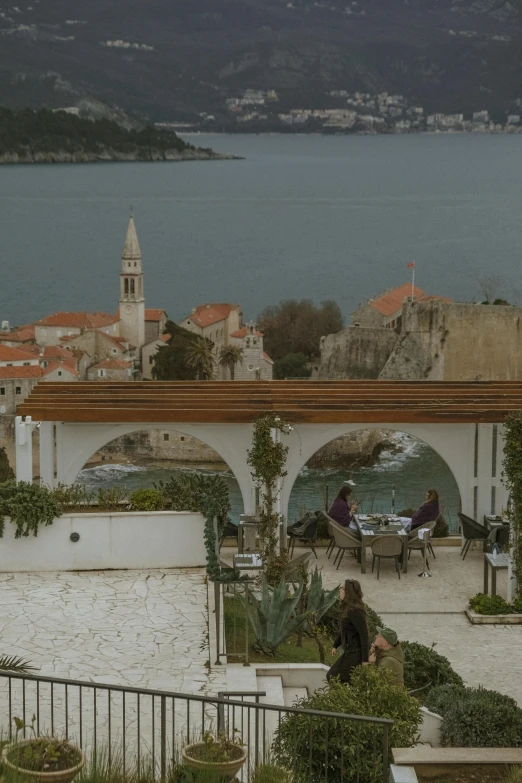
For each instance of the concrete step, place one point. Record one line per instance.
(291, 695)
(274, 695)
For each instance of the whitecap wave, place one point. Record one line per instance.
(390, 459)
(103, 473)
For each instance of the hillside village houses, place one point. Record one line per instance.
(72, 346)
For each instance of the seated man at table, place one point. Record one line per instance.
(342, 512)
(428, 512)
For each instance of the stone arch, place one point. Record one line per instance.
(77, 442)
(452, 444)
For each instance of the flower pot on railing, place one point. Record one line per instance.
(222, 756)
(44, 759)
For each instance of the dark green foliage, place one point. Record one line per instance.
(269, 773)
(272, 617)
(476, 718)
(14, 663)
(28, 506)
(489, 604)
(170, 361)
(189, 491)
(425, 669)
(182, 774)
(330, 621)
(293, 365)
(301, 739)
(296, 327)
(147, 500)
(45, 131)
(512, 478)
(6, 471)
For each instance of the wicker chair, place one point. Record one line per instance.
(387, 548)
(416, 544)
(473, 531)
(306, 535)
(344, 540)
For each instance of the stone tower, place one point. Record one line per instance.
(132, 299)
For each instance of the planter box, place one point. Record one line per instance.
(493, 619)
(137, 540)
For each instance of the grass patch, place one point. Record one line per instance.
(288, 652)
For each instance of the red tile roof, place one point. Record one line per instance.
(267, 357)
(60, 366)
(8, 354)
(112, 364)
(79, 320)
(244, 331)
(390, 302)
(20, 372)
(154, 314)
(119, 341)
(208, 314)
(22, 335)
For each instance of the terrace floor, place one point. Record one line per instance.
(145, 629)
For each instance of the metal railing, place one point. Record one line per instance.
(233, 597)
(144, 730)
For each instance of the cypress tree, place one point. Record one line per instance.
(6, 471)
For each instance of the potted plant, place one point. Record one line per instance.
(223, 755)
(42, 759)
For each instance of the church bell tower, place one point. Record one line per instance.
(132, 299)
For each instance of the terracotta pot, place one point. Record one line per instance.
(61, 776)
(228, 769)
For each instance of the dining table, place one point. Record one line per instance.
(371, 526)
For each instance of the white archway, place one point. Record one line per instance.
(76, 443)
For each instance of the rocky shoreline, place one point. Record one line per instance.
(111, 156)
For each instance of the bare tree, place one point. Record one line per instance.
(490, 286)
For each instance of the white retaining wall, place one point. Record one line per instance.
(156, 539)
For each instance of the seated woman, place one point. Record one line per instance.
(428, 512)
(342, 512)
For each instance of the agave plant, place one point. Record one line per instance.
(273, 618)
(12, 663)
(319, 600)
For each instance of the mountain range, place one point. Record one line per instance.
(171, 60)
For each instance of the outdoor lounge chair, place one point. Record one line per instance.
(307, 534)
(344, 540)
(416, 544)
(387, 548)
(474, 531)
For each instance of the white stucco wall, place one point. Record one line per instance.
(158, 539)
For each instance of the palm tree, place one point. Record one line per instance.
(15, 664)
(229, 356)
(199, 357)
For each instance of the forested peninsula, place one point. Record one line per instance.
(46, 136)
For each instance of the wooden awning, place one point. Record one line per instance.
(233, 402)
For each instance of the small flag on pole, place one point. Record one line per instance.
(411, 265)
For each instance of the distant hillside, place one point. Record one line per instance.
(174, 60)
(55, 136)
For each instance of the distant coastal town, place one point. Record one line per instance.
(255, 111)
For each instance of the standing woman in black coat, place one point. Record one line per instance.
(353, 633)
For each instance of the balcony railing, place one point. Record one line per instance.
(145, 730)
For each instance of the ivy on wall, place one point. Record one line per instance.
(267, 458)
(512, 478)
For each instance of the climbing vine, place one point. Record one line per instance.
(512, 478)
(267, 458)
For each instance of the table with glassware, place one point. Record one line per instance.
(372, 525)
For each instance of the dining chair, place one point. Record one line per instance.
(387, 548)
(344, 540)
(417, 544)
(474, 531)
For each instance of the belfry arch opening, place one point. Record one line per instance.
(390, 469)
(143, 457)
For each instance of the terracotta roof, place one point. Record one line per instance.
(119, 341)
(32, 371)
(60, 366)
(267, 357)
(244, 331)
(208, 314)
(390, 302)
(154, 314)
(8, 354)
(112, 364)
(79, 320)
(164, 337)
(22, 335)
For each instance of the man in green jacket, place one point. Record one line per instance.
(387, 653)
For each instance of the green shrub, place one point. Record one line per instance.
(28, 506)
(6, 471)
(330, 621)
(424, 668)
(300, 740)
(147, 500)
(476, 718)
(489, 604)
(113, 498)
(191, 492)
(74, 497)
(517, 606)
(270, 773)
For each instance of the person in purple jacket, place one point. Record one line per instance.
(342, 511)
(428, 512)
